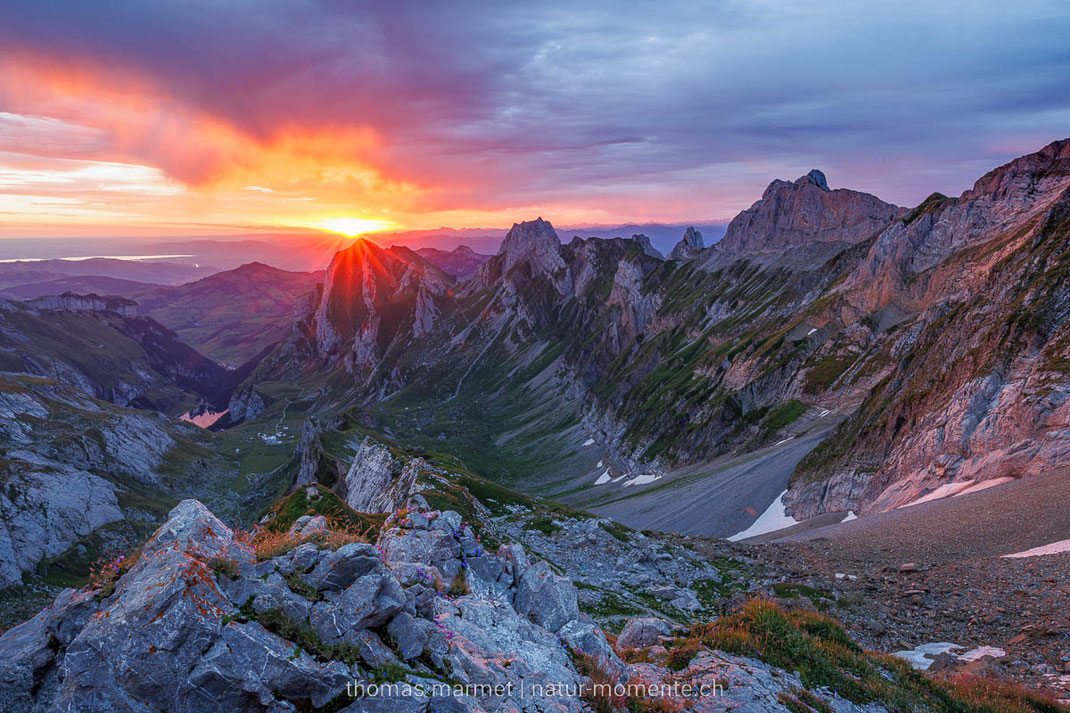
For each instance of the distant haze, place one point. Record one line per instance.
(313, 251)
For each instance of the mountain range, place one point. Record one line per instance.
(934, 335)
(829, 364)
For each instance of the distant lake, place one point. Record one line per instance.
(204, 420)
(95, 257)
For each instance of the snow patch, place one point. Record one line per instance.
(921, 657)
(642, 480)
(811, 331)
(603, 479)
(980, 652)
(984, 485)
(588, 442)
(1052, 549)
(944, 491)
(774, 518)
(599, 464)
(850, 516)
(779, 443)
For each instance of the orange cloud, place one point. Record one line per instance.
(136, 122)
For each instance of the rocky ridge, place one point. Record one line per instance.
(666, 364)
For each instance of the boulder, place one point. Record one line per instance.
(585, 637)
(339, 569)
(308, 526)
(642, 631)
(372, 649)
(546, 598)
(435, 548)
(270, 593)
(409, 634)
(248, 667)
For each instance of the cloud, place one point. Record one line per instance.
(415, 111)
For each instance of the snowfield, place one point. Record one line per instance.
(774, 518)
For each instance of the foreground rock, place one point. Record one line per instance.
(197, 624)
(424, 620)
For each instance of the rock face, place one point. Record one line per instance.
(45, 512)
(186, 638)
(975, 388)
(689, 246)
(62, 485)
(533, 242)
(806, 214)
(71, 302)
(377, 481)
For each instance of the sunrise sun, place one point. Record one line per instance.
(353, 226)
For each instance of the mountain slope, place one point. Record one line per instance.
(96, 344)
(78, 284)
(975, 385)
(231, 316)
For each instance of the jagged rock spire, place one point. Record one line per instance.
(689, 246)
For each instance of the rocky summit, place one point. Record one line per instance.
(819, 465)
(805, 215)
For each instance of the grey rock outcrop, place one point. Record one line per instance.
(45, 512)
(180, 634)
(689, 246)
(377, 480)
(534, 242)
(67, 459)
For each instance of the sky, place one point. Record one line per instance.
(129, 117)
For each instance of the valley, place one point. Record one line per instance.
(833, 365)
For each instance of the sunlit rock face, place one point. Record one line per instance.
(374, 299)
(805, 212)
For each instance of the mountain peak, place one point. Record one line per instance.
(646, 246)
(805, 212)
(815, 177)
(533, 241)
(689, 246)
